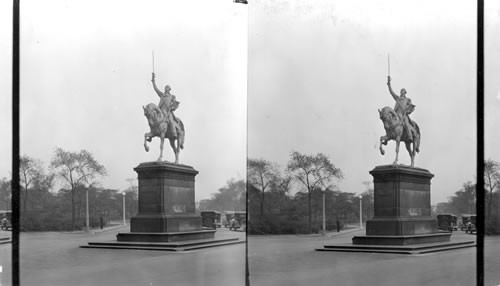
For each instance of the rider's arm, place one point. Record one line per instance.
(394, 95)
(156, 88)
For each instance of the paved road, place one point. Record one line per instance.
(5, 260)
(290, 260)
(492, 260)
(55, 259)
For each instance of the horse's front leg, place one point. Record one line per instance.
(175, 148)
(398, 140)
(162, 138)
(412, 153)
(147, 137)
(383, 140)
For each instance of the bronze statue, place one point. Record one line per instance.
(168, 104)
(163, 123)
(398, 125)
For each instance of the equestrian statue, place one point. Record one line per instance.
(398, 125)
(163, 123)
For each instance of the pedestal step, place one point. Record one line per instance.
(164, 246)
(408, 249)
(401, 239)
(5, 240)
(165, 236)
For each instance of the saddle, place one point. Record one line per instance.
(413, 125)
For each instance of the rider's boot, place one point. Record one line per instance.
(410, 134)
(174, 130)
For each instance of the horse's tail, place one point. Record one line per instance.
(181, 134)
(417, 141)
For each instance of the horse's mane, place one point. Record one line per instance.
(391, 112)
(154, 111)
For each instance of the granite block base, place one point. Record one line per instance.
(165, 223)
(165, 236)
(401, 226)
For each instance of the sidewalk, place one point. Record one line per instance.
(96, 230)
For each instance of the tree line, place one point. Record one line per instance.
(78, 173)
(231, 197)
(278, 200)
(464, 200)
(65, 209)
(290, 200)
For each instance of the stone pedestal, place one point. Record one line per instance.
(166, 205)
(402, 212)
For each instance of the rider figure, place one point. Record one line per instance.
(167, 105)
(403, 108)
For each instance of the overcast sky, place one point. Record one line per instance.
(318, 73)
(5, 89)
(492, 82)
(86, 73)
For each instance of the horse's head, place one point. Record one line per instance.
(388, 116)
(152, 113)
(382, 113)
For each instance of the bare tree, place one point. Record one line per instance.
(30, 170)
(491, 181)
(283, 185)
(5, 194)
(230, 197)
(76, 169)
(312, 171)
(133, 186)
(368, 199)
(469, 190)
(261, 174)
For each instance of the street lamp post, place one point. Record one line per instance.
(324, 213)
(360, 211)
(124, 222)
(87, 223)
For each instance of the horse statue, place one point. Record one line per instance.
(394, 130)
(159, 128)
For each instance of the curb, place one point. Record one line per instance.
(96, 231)
(344, 232)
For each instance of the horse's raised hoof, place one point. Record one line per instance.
(146, 148)
(382, 152)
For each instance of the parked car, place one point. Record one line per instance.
(235, 220)
(6, 220)
(471, 225)
(447, 222)
(210, 219)
(464, 219)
